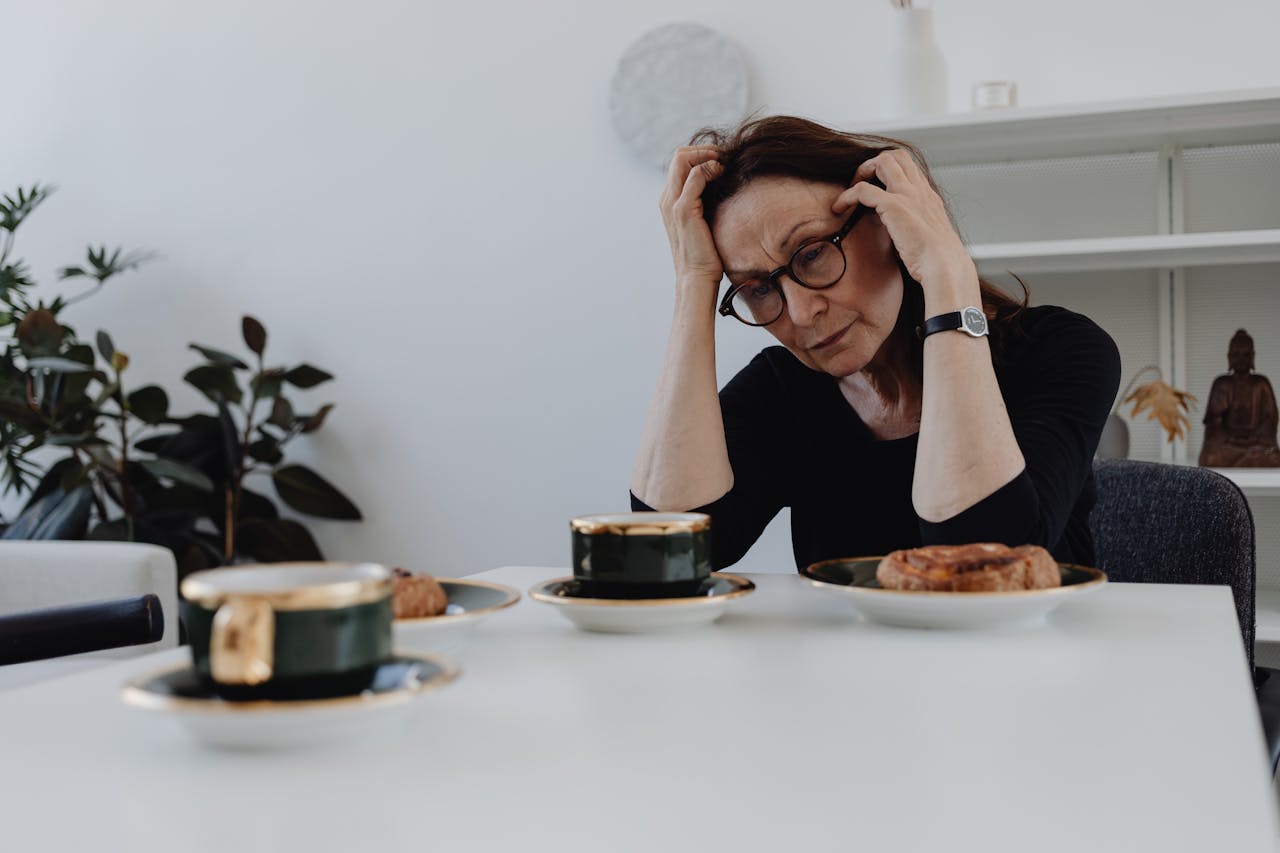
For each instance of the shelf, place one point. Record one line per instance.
(1267, 619)
(1025, 133)
(1254, 482)
(1117, 253)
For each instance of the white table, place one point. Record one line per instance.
(1126, 722)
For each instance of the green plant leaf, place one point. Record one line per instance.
(219, 357)
(255, 335)
(281, 413)
(311, 423)
(105, 345)
(178, 472)
(276, 540)
(55, 364)
(306, 376)
(216, 382)
(15, 209)
(149, 403)
(83, 439)
(306, 491)
(267, 384)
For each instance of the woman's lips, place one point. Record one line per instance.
(826, 342)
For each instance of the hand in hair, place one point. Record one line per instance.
(917, 221)
(692, 249)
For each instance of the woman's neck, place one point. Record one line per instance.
(886, 393)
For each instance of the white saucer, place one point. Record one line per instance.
(262, 724)
(854, 580)
(643, 615)
(470, 602)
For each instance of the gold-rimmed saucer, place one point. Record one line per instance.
(854, 581)
(470, 602)
(641, 615)
(180, 693)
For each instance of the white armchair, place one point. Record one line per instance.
(40, 574)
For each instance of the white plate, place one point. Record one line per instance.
(644, 615)
(854, 581)
(469, 602)
(179, 693)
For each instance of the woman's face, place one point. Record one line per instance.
(837, 330)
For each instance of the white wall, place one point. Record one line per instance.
(428, 200)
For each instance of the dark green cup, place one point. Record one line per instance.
(289, 630)
(641, 554)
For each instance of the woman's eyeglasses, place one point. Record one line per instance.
(817, 265)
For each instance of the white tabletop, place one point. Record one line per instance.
(1125, 722)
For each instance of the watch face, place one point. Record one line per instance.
(975, 322)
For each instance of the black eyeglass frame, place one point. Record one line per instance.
(836, 239)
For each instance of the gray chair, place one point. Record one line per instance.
(1156, 523)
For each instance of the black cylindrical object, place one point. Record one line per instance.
(77, 628)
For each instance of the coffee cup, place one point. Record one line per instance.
(641, 554)
(289, 630)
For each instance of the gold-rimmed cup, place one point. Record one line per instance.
(289, 630)
(641, 554)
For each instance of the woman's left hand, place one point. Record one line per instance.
(917, 222)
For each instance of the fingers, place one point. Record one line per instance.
(682, 162)
(894, 167)
(690, 199)
(862, 192)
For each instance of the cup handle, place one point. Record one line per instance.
(242, 644)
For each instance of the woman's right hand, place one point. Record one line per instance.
(696, 260)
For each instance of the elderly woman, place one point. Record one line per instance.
(909, 403)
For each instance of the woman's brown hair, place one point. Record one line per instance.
(785, 146)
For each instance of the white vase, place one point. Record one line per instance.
(916, 81)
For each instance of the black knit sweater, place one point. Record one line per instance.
(794, 441)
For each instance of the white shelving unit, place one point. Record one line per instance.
(1160, 219)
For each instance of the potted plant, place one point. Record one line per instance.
(99, 458)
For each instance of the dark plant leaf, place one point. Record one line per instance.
(84, 439)
(306, 376)
(54, 479)
(254, 505)
(306, 491)
(149, 403)
(266, 450)
(276, 540)
(57, 515)
(255, 335)
(71, 272)
(312, 423)
(21, 415)
(39, 331)
(281, 413)
(178, 472)
(230, 440)
(105, 345)
(267, 384)
(216, 382)
(219, 357)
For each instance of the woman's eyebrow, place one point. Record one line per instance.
(782, 249)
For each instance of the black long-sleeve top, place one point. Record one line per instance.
(794, 441)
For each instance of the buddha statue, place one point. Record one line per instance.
(1241, 417)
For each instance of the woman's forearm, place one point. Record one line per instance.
(967, 449)
(683, 461)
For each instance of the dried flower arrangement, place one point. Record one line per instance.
(1162, 402)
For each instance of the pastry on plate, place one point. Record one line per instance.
(417, 595)
(978, 567)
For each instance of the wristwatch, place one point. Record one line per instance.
(969, 320)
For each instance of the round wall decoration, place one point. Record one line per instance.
(672, 81)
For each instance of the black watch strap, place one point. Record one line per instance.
(941, 323)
